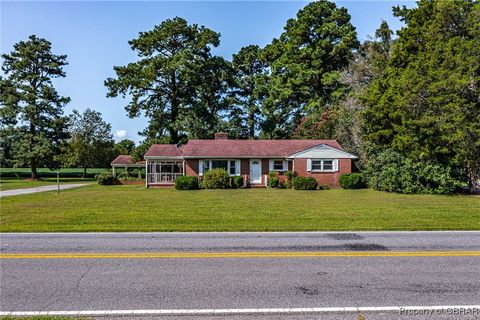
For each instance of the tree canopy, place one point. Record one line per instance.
(31, 108)
(175, 81)
(91, 143)
(426, 105)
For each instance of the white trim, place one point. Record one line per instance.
(321, 165)
(345, 154)
(238, 167)
(201, 163)
(250, 171)
(396, 309)
(200, 167)
(271, 165)
(146, 173)
(163, 157)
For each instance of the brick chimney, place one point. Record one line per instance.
(221, 135)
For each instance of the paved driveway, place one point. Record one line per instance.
(17, 192)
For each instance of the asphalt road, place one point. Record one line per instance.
(189, 272)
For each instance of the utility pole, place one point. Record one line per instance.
(58, 181)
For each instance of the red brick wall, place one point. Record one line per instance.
(327, 178)
(245, 166)
(191, 167)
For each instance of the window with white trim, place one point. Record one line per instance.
(278, 165)
(233, 167)
(322, 165)
(229, 165)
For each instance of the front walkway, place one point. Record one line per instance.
(17, 192)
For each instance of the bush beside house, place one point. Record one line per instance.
(305, 183)
(216, 179)
(236, 182)
(352, 181)
(186, 183)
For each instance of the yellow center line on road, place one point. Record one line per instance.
(224, 255)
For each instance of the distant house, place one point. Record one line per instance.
(325, 160)
(125, 161)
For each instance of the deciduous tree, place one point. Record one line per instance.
(91, 144)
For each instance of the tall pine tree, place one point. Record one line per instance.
(32, 105)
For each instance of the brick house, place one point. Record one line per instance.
(324, 160)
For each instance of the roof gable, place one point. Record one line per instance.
(323, 151)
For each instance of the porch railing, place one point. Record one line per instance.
(162, 177)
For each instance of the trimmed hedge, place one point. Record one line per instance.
(352, 181)
(305, 183)
(106, 179)
(186, 183)
(237, 182)
(216, 179)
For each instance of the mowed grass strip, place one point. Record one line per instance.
(134, 208)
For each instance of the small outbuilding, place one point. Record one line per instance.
(125, 161)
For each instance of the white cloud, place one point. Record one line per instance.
(121, 134)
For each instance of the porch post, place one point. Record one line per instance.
(113, 171)
(146, 173)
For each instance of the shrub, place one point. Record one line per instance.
(237, 182)
(274, 182)
(323, 187)
(390, 171)
(122, 175)
(216, 179)
(352, 181)
(290, 175)
(106, 179)
(186, 183)
(305, 183)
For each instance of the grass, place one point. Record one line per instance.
(134, 208)
(15, 183)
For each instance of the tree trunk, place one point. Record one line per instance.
(251, 125)
(84, 172)
(33, 167)
(474, 178)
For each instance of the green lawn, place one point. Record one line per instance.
(134, 208)
(16, 183)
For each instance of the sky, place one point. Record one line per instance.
(95, 34)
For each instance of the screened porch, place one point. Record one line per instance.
(163, 171)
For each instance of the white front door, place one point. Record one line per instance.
(255, 171)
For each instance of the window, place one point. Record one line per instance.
(206, 166)
(322, 165)
(228, 165)
(220, 164)
(327, 165)
(278, 165)
(233, 167)
(316, 165)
